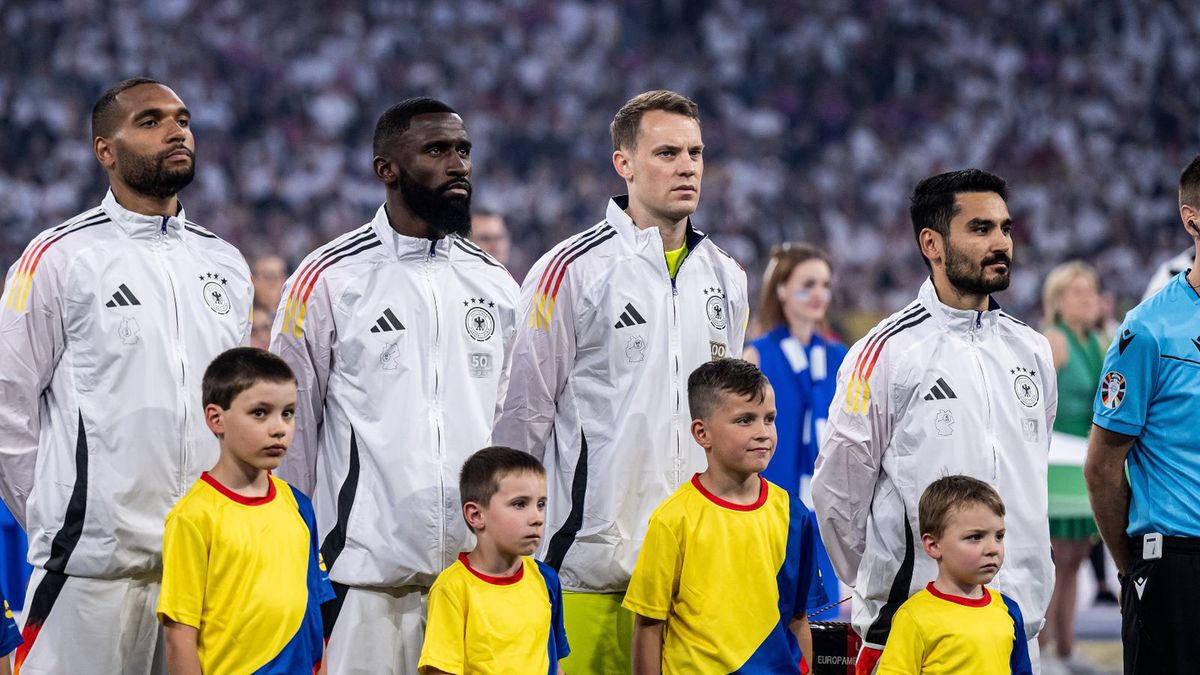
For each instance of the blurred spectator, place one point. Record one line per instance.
(260, 326)
(821, 113)
(1072, 310)
(268, 274)
(489, 231)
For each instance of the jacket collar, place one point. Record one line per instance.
(639, 237)
(961, 321)
(409, 248)
(139, 225)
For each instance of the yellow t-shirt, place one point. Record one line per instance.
(246, 573)
(727, 579)
(480, 624)
(675, 259)
(933, 633)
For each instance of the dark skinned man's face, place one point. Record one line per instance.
(433, 168)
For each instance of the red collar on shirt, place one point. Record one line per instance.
(960, 600)
(241, 499)
(497, 581)
(762, 496)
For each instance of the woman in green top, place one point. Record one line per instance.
(1071, 305)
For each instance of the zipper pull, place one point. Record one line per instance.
(163, 231)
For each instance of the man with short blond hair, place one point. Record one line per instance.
(611, 323)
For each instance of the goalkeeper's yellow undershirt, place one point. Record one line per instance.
(675, 259)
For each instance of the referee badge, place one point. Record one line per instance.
(1112, 390)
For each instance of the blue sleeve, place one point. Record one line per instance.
(10, 637)
(558, 647)
(1019, 662)
(1128, 383)
(810, 592)
(318, 576)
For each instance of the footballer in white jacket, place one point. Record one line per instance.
(397, 332)
(951, 384)
(610, 332)
(106, 326)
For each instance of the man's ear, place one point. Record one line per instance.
(1191, 220)
(106, 154)
(933, 244)
(385, 170)
(473, 514)
(214, 417)
(623, 163)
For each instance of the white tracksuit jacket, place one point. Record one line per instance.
(107, 324)
(929, 392)
(599, 384)
(398, 344)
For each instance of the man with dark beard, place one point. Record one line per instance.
(949, 385)
(106, 326)
(397, 332)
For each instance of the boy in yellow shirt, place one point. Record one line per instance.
(956, 624)
(496, 610)
(729, 561)
(242, 578)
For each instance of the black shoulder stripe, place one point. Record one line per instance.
(346, 242)
(1013, 319)
(459, 244)
(197, 230)
(86, 216)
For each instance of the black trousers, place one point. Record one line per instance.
(1160, 624)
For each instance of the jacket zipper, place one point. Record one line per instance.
(435, 361)
(974, 334)
(181, 485)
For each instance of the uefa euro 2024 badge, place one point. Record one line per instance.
(216, 292)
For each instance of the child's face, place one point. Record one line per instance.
(256, 429)
(516, 515)
(971, 548)
(740, 434)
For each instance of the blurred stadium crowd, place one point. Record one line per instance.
(819, 117)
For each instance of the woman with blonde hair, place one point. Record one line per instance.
(1071, 311)
(802, 365)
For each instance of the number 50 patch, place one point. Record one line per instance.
(479, 364)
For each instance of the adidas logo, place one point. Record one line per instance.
(629, 317)
(939, 391)
(123, 298)
(387, 323)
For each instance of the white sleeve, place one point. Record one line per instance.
(542, 355)
(847, 468)
(739, 314)
(31, 343)
(303, 336)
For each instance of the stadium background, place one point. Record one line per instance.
(818, 117)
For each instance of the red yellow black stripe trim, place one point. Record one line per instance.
(858, 390)
(555, 272)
